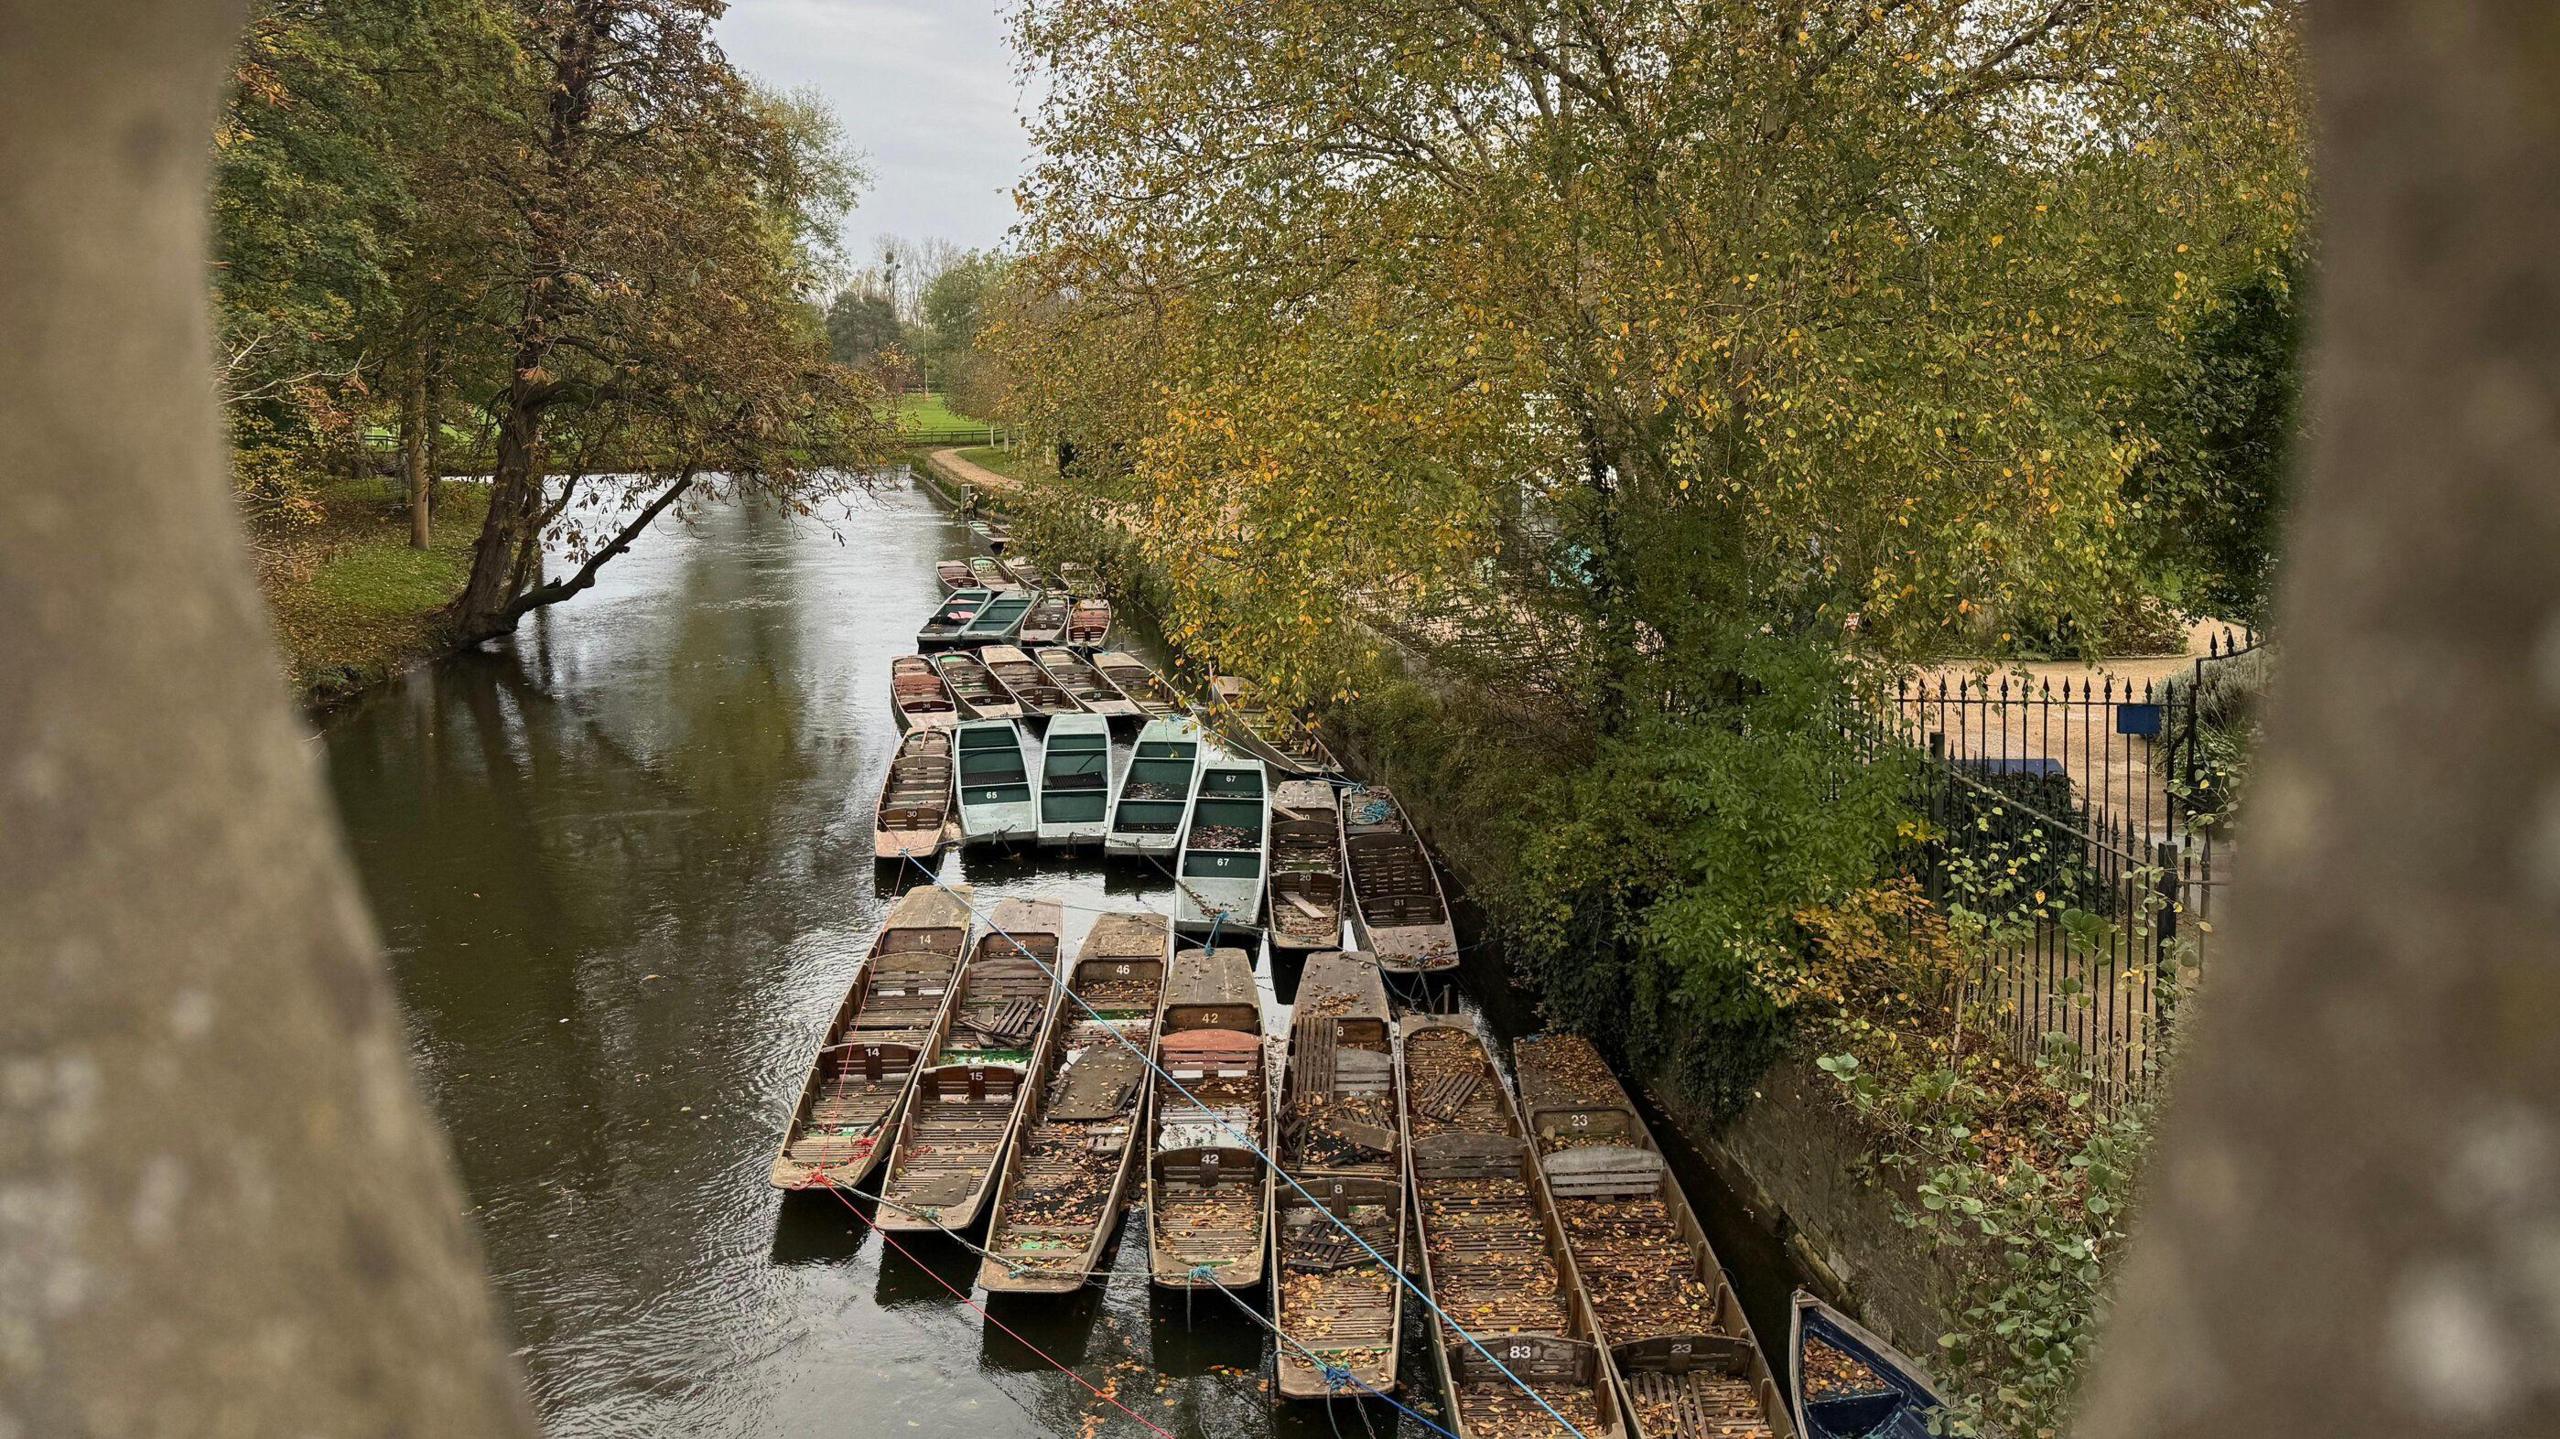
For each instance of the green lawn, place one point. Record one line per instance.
(928, 412)
(1020, 463)
(352, 602)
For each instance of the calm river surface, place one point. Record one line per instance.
(623, 868)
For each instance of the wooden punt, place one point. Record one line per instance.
(1045, 623)
(916, 816)
(991, 534)
(1074, 797)
(1282, 741)
(920, 695)
(1849, 1383)
(954, 574)
(952, 618)
(1398, 911)
(1080, 578)
(994, 784)
(971, 1095)
(1224, 838)
(1039, 694)
(1140, 684)
(1086, 684)
(892, 1014)
(999, 620)
(1208, 1197)
(1339, 1135)
(1068, 1174)
(1153, 796)
(1089, 624)
(1493, 1252)
(1306, 866)
(991, 573)
(1677, 1341)
(980, 694)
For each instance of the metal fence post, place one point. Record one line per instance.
(2172, 890)
(1938, 817)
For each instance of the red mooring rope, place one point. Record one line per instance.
(818, 1177)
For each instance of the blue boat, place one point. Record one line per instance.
(1860, 1385)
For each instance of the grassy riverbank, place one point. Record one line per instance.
(353, 604)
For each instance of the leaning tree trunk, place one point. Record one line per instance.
(223, 1210)
(2354, 1224)
(416, 419)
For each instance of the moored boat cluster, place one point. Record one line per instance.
(978, 1079)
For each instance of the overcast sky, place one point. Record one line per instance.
(925, 89)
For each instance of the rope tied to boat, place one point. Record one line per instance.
(904, 1253)
(1246, 1143)
(1336, 1376)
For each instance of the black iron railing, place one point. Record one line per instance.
(2082, 823)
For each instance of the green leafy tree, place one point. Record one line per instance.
(862, 324)
(2212, 497)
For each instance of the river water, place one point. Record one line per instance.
(623, 869)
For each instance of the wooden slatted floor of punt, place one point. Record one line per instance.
(948, 1147)
(1642, 1279)
(1701, 1402)
(1437, 1057)
(1394, 882)
(1489, 1264)
(1506, 1413)
(1352, 1305)
(1063, 1176)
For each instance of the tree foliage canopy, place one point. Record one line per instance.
(1855, 301)
(578, 216)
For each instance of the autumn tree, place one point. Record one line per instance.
(1785, 315)
(339, 256)
(1651, 358)
(663, 217)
